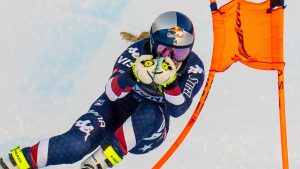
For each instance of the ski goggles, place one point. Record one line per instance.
(179, 54)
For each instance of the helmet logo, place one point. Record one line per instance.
(175, 32)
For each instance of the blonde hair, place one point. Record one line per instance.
(131, 37)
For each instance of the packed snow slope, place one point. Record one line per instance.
(56, 56)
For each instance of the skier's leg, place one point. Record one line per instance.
(151, 133)
(85, 135)
(143, 131)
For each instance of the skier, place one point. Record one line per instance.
(153, 79)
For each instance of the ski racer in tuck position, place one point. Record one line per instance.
(153, 79)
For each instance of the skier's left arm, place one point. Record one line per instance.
(179, 98)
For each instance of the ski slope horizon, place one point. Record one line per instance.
(56, 56)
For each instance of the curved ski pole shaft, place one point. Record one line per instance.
(190, 123)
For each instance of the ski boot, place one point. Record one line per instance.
(101, 159)
(15, 160)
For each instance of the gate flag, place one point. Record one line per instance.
(250, 33)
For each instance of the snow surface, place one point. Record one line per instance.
(56, 55)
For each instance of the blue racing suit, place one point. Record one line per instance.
(131, 116)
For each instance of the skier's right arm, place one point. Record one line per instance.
(122, 78)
